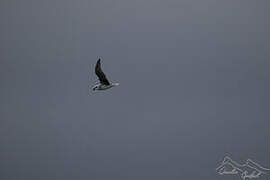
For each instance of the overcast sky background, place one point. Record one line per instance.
(194, 86)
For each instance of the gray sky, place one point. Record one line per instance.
(194, 86)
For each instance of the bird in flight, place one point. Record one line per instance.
(103, 81)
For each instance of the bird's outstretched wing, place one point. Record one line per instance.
(101, 76)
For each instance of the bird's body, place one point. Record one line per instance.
(103, 81)
(104, 87)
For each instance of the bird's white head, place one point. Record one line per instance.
(95, 87)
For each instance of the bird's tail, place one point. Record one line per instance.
(115, 84)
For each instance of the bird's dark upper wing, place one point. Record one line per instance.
(101, 76)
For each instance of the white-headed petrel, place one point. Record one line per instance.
(104, 83)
